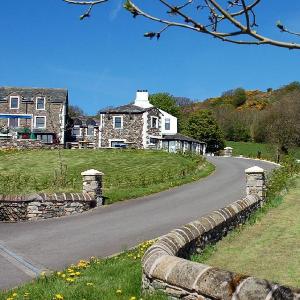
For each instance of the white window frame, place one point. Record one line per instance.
(169, 123)
(87, 130)
(45, 118)
(116, 140)
(8, 123)
(10, 98)
(152, 118)
(114, 117)
(36, 103)
(77, 127)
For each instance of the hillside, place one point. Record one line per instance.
(252, 99)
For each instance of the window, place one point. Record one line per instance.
(90, 130)
(14, 102)
(76, 131)
(40, 122)
(117, 144)
(13, 122)
(153, 141)
(118, 122)
(40, 103)
(45, 138)
(167, 124)
(154, 122)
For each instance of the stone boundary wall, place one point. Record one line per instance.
(165, 269)
(43, 206)
(26, 144)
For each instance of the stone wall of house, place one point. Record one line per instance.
(54, 108)
(165, 268)
(26, 144)
(154, 112)
(132, 130)
(43, 206)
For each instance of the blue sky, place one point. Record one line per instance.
(105, 59)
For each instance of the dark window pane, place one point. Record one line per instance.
(118, 122)
(14, 102)
(40, 122)
(90, 130)
(40, 103)
(167, 124)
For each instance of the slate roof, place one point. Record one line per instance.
(85, 121)
(180, 137)
(125, 109)
(27, 93)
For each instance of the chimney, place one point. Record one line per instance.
(142, 99)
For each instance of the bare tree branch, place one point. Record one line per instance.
(222, 15)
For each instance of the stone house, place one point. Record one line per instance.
(33, 114)
(143, 126)
(83, 133)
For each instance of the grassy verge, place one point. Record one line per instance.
(128, 173)
(117, 278)
(272, 243)
(251, 149)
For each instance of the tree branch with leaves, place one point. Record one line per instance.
(232, 21)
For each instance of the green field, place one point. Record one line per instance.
(117, 278)
(249, 149)
(128, 173)
(268, 249)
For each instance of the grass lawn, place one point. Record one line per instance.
(117, 278)
(250, 150)
(128, 173)
(268, 249)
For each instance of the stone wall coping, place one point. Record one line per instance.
(254, 169)
(92, 172)
(164, 268)
(43, 197)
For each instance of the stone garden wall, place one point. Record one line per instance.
(26, 144)
(45, 206)
(165, 268)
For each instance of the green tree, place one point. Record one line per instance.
(166, 102)
(203, 126)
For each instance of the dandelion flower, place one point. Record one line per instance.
(119, 292)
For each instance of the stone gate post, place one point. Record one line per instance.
(256, 182)
(92, 184)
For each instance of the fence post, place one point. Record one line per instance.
(256, 182)
(92, 184)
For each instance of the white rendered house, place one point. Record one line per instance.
(141, 125)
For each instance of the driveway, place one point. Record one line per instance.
(28, 248)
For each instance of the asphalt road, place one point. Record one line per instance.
(28, 248)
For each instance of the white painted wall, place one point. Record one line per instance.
(173, 123)
(142, 100)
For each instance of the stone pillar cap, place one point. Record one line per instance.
(254, 169)
(228, 148)
(91, 172)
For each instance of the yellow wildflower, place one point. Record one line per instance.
(58, 273)
(59, 297)
(63, 275)
(89, 284)
(77, 273)
(70, 279)
(132, 298)
(119, 292)
(14, 294)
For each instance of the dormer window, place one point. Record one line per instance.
(14, 102)
(40, 103)
(154, 122)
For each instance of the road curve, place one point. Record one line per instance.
(56, 243)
